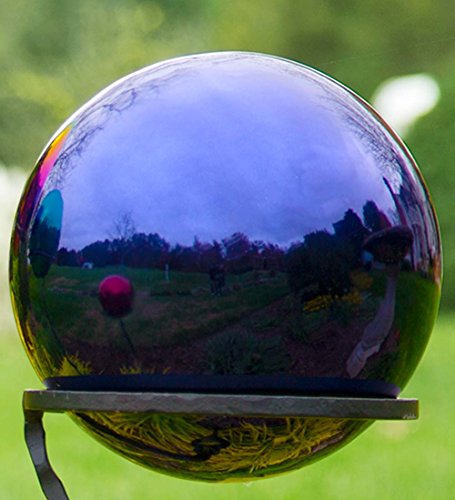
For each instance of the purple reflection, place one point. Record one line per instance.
(217, 155)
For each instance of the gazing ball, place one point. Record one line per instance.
(279, 239)
(115, 294)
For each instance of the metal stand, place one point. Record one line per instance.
(35, 403)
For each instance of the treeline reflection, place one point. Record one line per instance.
(319, 263)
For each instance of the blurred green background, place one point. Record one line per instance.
(55, 54)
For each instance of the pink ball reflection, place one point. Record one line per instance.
(116, 294)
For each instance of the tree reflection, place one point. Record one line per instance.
(320, 263)
(324, 305)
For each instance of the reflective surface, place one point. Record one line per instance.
(276, 234)
(220, 448)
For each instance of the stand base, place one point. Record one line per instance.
(36, 402)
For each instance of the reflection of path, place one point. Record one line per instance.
(377, 330)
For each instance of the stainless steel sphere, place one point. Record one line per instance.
(232, 223)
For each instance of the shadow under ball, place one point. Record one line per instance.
(278, 238)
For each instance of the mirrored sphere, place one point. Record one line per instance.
(231, 223)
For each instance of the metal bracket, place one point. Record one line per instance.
(35, 437)
(36, 402)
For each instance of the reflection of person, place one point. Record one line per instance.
(389, 247)
(217, 276)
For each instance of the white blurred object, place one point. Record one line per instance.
(12, 182)
(402, 100)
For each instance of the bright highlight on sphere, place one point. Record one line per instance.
(278, 239)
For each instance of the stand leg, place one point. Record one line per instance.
(35, 403)
(35, 438)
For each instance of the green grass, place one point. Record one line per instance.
(181, 302)
(391, 460)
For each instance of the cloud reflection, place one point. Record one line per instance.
(214, 155)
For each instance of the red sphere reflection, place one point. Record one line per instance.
(116, 294)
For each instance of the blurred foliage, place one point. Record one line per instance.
(433, 144)
(55, 54)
